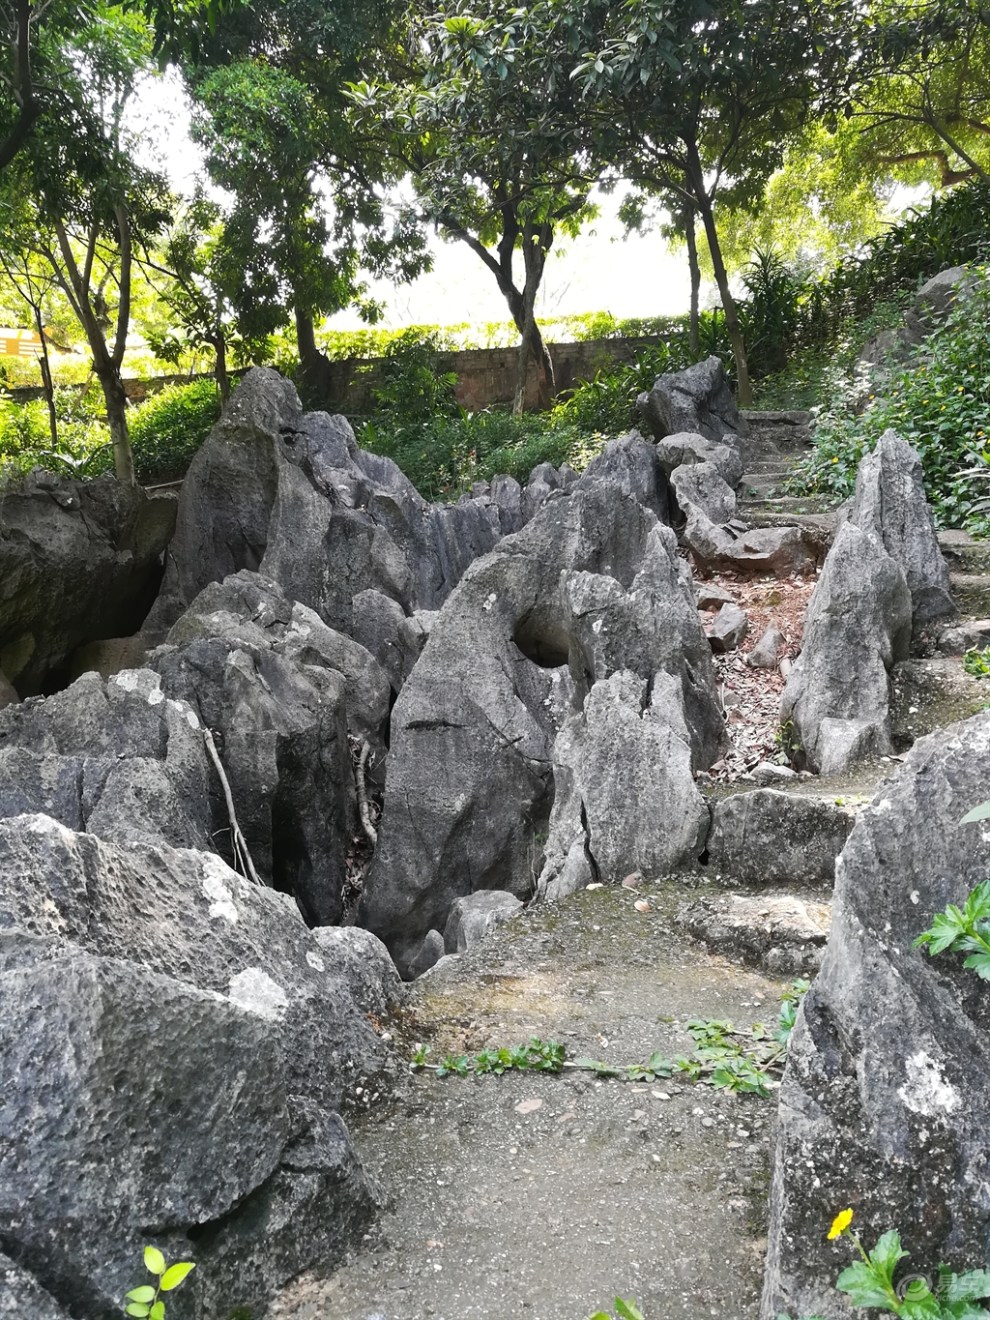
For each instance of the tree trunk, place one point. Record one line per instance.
(116, 405)
(694, 327)
(536, 244)
(734, 330)
(220, 368)
(314, 369)
(46, 376)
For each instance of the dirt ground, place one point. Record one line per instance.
(547, 1196)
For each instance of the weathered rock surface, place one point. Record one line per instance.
(686, 447)
(767, 650)
(625, 797)
(78, 561)
(288, 493)
(474, 915)
(781, 933)
(728, 629)
(768, 837)
(889, 501)
(958, 640)
(697, 400)
(858, 625)
(884, 1104)
(632, 466)
(702, 487)
(591, 583)
(21, 1295)
(222, 1133)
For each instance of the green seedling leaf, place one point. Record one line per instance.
(885, 1255)
(860, 1284)
(980, 964)
(145, 1294)
(174, 1275)
(982, 812)
(137, 1309)
(968, 1287)
(627, 1311)
(596, 1066)
(154, 1261)
(157, 1312)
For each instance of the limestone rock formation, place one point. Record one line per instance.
(589, 587)
(889, 501)
(782, 933)
(79, 561)
(858, 625)
(195, 1062)
(625, 798)
(474, 915)
(698, 400)
(885, 1103)
(686, 447)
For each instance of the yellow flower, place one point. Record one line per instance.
(839, 1224)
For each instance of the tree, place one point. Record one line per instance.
(487, 123)
(307, 193)
(699, 98)
(77, 201)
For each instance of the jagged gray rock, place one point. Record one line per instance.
(632, 466)
(701, 486)
(728, 629)
(958, 640)
(285, 493)
(885, 1101)
(21, 1295)
(697, 400)
(474, 915)
(469, 772)
(767, 837)
(858, 625)
(625, 797)
(79, 561)
(768, 650)
(889, 501)
(687, 447)
(393, 638)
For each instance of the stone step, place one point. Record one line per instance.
(929, 694)
(972, 594)
(963, 554)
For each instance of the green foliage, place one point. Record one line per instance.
(976, 662)
(166, 431)
(623, 1311)
(869, 1282)
(963, 930)
(145, 1302)
(746, 1062)
(939, 402)
(411, 384)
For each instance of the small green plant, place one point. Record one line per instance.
(145, 1301)
(963, 929)
(976, 662)
(746, 1062)
(623, 1311)
(869, 1282)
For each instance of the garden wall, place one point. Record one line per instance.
(485, 376)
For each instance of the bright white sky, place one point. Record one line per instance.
(602, 270)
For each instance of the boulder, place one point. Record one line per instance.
(687, 447)
(79, 561)
(474, 915)
(960, 639)
(393, 638)
(758, 551)
(768, 650)
(107, 1142)
(767, 837)
(858, 625)
(285, 493)
(885, 1101)
(781, 933)
(889, 501)
(590, 585)
(710, 596)
(697, 400)
(728, 629)
(631, 465)
(702, 486)
(625, 796)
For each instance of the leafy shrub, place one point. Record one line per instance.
(169, 427)
(606, 405)
(939, 402)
